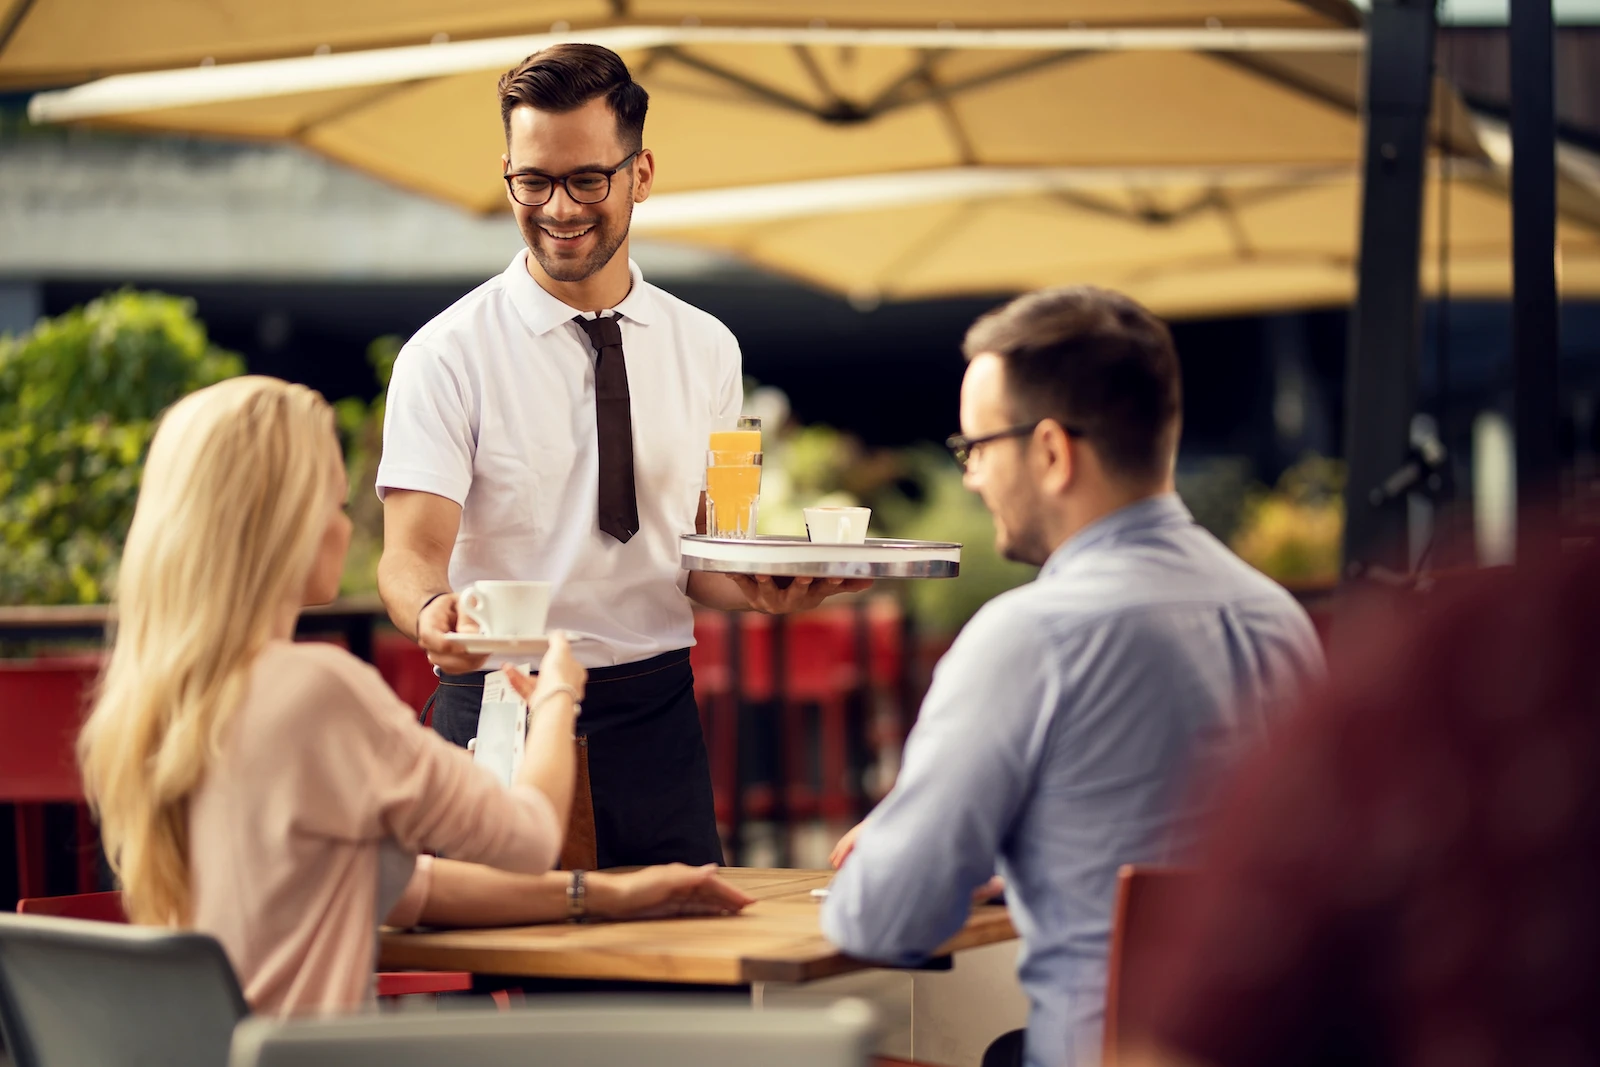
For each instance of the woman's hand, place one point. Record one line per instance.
(558, 667)
(662, 892)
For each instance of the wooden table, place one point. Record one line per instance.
(777, 939)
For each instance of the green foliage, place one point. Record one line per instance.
(361, 427)
(1293, 532)
(948, 511)
(79, 396)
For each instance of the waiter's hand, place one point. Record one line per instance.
(765, 594)
(438, 619)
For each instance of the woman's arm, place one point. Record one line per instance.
(470, 894)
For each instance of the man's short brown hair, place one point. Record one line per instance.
(564, 77)
(1093, 360)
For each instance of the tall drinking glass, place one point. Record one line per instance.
(733, 492)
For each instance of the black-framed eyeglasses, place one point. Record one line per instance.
(532, 188)
(962, 447)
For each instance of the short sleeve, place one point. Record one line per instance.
(428, 427)
(730, 390)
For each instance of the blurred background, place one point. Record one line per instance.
(152, 249)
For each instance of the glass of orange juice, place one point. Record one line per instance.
(733, 492)
(745, 437)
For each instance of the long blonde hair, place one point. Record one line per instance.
(229, 520)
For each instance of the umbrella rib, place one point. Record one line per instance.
(345, 110)
(883, 106)
(921, 249)
(922, 72)
(14, 23)
(767, 93)
(1098, 207)
(814, 72)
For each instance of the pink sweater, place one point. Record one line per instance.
(305, 834)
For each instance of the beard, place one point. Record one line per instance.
(609, 233)
(1021, 539)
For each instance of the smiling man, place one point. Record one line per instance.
(552, 425)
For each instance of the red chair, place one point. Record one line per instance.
(107, 908)
(1146, 897)
(405, 667)
(42, 704)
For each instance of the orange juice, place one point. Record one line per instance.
(732, 491)
(736, 441)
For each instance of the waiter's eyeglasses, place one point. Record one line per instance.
(530, 188)
(962, 447)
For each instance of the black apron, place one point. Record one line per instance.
(649, 776)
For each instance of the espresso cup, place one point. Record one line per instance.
(837, 526)
(506, 609)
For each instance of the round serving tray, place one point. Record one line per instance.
(797, 557)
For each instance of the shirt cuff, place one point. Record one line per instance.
(407, 912)
(407, 478)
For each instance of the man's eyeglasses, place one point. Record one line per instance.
(530, 188)
(962, 447)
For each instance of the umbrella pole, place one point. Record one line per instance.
(1535, 346)
(1386, 328)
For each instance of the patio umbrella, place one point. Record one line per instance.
(1186, 244)
(738, 107)
(60, 42)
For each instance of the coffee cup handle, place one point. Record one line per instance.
(470, 603)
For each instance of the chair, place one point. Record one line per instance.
(43, 707)
(575, 1035)
(1145, 896)
(75, 992)
(107, 908)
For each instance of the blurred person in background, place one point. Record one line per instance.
(1061, 728)
(278, 795)
(1411, 875)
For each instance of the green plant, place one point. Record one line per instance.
(79, 396)
(1293, 531)
(361, 428)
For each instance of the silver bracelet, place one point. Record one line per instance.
(577, 899)
(552, 691)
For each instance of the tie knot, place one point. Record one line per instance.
(604, 332)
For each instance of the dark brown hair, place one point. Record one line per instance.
(1093, 360)
(564, 77)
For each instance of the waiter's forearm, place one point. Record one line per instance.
(406, 579)
(716, 591)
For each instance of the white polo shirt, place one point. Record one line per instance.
(492, 405)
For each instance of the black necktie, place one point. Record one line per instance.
(613, 420)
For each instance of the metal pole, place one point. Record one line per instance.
(1386, 330)
(1533, 267)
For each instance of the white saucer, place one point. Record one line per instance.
(505, 645)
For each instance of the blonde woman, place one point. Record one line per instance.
(277, 795)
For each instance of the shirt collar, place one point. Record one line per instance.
(1164, 509)
(543, 312)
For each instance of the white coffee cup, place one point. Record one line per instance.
(837, 526)
(506, 609)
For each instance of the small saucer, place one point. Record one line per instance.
(504, 645)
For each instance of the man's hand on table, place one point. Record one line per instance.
(841, 852)
(795, 594)
(664, 892)
(436, 620)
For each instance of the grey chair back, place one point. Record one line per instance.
(576, 1034)
(74, 993)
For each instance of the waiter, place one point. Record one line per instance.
(552, 425)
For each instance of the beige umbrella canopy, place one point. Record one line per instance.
(1183, 245)
(727, 113)
(58, 42)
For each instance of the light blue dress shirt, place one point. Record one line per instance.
(1061, 738)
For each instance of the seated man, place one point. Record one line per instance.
(1062, 729)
